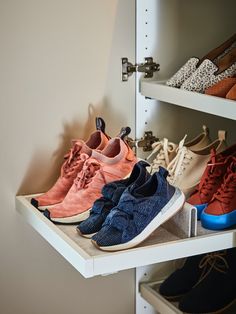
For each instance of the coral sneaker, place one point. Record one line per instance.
(111, 194)
(221, 211)
(211, 179)
(72, 165)
(114, 162)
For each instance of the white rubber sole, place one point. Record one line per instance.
(72, 219)
(87, 236)
(169, 210)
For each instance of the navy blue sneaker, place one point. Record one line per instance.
(139, 212)
(111, 195)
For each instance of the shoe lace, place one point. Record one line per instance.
(162, 149)
(177, 166)
(72, 158)
(102, 205)
(227, 189)
(85, 176)
(212, 176)
(215, 260)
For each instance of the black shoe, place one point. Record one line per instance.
(182, 280)
(216, 287)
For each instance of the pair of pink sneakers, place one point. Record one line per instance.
(88, 167)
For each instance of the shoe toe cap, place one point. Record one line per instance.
(108, 236)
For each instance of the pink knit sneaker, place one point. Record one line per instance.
(73, 164)
(113, 163)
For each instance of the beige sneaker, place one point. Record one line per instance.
(166, 151)
(187, 168)
(200, 141)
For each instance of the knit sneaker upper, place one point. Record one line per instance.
(111, 194)
(72, 165)
(136, 209)
(114, 162)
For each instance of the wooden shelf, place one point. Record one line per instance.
(210, 104)
(161, 246)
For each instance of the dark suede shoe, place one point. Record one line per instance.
(182, 280)
(216, 287)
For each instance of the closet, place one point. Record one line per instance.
(169, 31)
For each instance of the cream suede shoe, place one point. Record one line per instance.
(165, 151)
(187, 168)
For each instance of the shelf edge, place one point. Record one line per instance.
(56, 238)
(205, 103)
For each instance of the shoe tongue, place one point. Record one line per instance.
(139, 173)
(152, 186)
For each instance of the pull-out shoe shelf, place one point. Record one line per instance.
(150, 292)
(170, 241)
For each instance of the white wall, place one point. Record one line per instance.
(59, 68)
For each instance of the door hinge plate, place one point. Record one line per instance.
(148, 67)
(145, 142)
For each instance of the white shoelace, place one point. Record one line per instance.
(177, 166)
(162, 149)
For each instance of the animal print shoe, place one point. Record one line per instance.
(183, 73)
(194, 63)
(210, 73)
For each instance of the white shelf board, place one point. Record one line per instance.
(161, 246)
(149, 291)
(210, 104)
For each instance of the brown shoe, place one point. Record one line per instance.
(221, 88)
(232, 93)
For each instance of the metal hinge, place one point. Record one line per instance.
(145, 142)
(149, 67)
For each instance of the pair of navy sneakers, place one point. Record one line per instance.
(131, 209)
